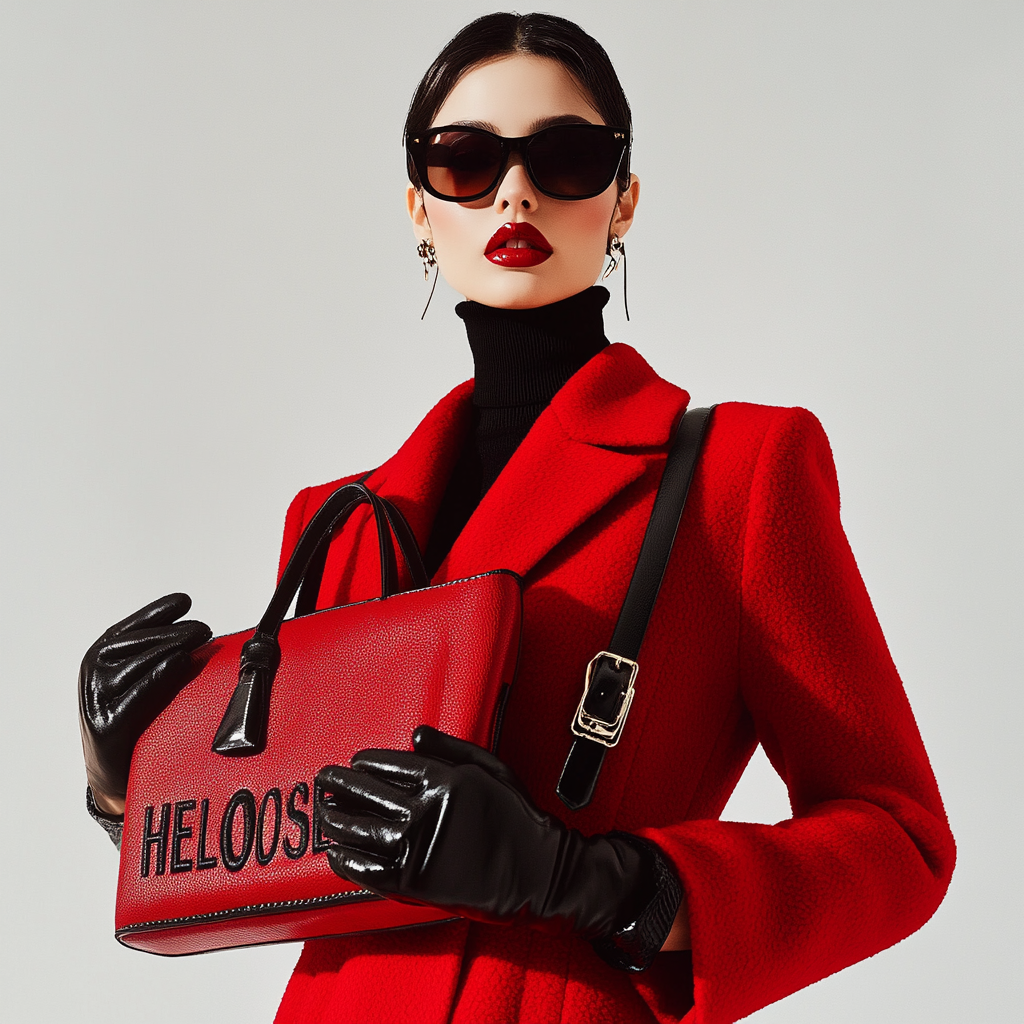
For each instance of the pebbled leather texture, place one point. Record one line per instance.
(221, 851)
(128, 676)
(243, 729)
(449, 825)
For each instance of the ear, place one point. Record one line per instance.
(417, 213)
(625, 208)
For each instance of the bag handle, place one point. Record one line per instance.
(611, 674)
(243, 729)
(309, 590)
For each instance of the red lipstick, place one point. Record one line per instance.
(517, 245)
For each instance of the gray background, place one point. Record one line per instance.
(209, 298)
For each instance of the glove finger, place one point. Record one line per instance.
(399, 767)
(117, 677)
(440, 745)
(161, 612)
(363, 870)
(188, 634)
(140, 704)
(366, 833)
(354, 791)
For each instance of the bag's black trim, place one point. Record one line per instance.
(499, 717)
(251, 910)
(404, 593)
(506, 689)
(433, 586)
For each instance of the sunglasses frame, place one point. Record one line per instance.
(415, 147)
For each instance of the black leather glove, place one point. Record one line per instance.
(451, 826)
(128, 677)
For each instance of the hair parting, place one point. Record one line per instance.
(540, 35)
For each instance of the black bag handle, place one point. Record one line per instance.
(243, 729)
(611, 674)
(312, 577)
(309, 590)
(313, 573)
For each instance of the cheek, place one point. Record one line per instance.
(596, 214)
(584, 227)
(454, 230)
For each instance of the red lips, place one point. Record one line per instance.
(517, 245)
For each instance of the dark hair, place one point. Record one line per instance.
(541, 35)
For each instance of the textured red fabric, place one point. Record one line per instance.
(763, 633)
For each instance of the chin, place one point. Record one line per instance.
(520, 289)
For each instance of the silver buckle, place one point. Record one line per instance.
(597, 729)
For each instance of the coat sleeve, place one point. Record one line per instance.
(867, 855)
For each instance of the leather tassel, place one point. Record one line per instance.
(243, 729)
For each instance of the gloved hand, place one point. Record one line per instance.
(451, 826)
(128, 677)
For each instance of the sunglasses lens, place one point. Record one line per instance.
(575, 160)
(461, 163)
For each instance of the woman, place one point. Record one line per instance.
(547, 463)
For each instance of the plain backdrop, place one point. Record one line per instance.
(210, 298)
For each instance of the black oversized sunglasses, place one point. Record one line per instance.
(459, 164)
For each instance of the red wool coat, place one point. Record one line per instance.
(763, 633)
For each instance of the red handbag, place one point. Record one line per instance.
(222, 844)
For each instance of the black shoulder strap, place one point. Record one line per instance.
(611, 674)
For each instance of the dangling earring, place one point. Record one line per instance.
(425, 251)
(617, 255)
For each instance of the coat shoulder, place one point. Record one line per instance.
(753, 450)
(741, 429)
(753, 422)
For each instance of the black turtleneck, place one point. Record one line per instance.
(522, 357)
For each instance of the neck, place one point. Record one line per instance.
(523, 356)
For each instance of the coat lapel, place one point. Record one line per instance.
(599, 435)
(416, 476)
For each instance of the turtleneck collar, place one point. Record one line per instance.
(524, 356)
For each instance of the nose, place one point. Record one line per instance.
(515, 190)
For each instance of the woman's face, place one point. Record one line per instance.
(515, 96)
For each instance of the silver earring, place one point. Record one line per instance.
(426, 252)
(616, 252)
(617, 255)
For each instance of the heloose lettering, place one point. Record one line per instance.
(186, 835)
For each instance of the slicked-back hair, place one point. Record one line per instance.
(539, 35)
